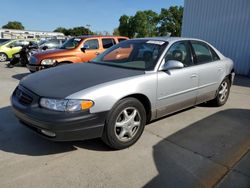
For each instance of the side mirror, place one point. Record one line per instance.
(85, 47)
(11, 46)
(172, 64)
(45, 47)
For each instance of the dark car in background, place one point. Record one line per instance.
(3, 40)
(51, 44)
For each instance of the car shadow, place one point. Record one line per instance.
(16, 138)
(201, 154)
(20, 76)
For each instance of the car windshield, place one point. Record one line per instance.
(133, 54)
(71, 43)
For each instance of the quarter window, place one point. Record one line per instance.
(106, 43)
(93, 44)
(214, 54)
(180, 51)
(202, 52)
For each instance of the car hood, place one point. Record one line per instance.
(50, 53)
(62, 81)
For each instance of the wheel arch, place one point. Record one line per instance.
(8, 57)
(145, 102)
(68, 62)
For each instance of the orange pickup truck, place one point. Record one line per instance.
(74, 50)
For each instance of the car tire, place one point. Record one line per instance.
(124, 124)
(3, 57)
(222, 93)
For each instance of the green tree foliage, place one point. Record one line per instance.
(125, 28)
(148, 23)
(76, 31)
(116, 32)
(170, 21)
(13, 25)
(144, 23)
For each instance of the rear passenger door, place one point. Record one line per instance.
(209, 70)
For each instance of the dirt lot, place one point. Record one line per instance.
(199, 147)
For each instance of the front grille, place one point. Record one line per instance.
(23, 97)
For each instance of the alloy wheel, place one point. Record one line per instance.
(127, 124)
(3, 57)
(223, 91)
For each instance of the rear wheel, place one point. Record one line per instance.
(3, 57)
(124, 124)
(222, 93)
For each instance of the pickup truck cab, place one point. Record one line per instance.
(74, 50)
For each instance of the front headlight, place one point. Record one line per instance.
(68, 105)
(48, 62)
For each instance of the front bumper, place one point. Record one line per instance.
(35, 68)
(65, 126)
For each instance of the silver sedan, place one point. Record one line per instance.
(121, 90)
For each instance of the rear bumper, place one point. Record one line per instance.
(62, 126)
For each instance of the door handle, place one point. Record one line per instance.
(193, 76)
(97, 53)
(220, 69)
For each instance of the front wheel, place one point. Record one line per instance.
(222, 93)
(124, 124)
(3, 57)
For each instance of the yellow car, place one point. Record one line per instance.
(8, 48)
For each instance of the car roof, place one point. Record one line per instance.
(168, 39)
(91, 36)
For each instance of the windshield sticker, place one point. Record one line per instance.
(77, 39)
(155, 42)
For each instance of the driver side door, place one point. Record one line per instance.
(177, 88)
(92, 50)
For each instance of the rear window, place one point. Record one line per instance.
(108, 42)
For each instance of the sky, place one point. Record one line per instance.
(101, 15)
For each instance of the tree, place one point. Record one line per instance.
(76, 31)
(13, 25)
(148, 23)
(125, 28)
(116, 32)
(170, 21)
(61, 30)
(144, 23)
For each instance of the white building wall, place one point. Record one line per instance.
(223, 23)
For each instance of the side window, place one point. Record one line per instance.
(108, 42)
(202, 52)
(121, 39)
(180, 51)
(93, 44)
